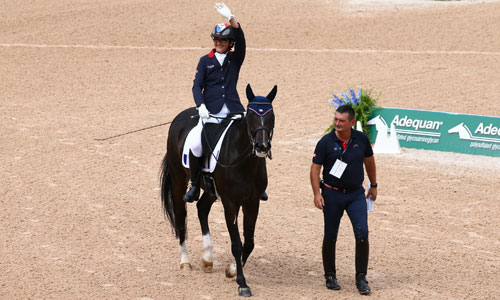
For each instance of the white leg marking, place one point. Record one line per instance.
(184, 253)
(208, 248)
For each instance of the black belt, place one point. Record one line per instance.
(344, 190)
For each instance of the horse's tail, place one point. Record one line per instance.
(167, 197)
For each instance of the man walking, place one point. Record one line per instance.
(342, 153)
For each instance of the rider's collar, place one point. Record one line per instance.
(212, 53)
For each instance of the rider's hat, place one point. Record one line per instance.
(222, 31)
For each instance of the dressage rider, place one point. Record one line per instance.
(214, 87)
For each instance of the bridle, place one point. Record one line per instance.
(252, 134)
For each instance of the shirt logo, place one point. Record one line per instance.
(210, 67)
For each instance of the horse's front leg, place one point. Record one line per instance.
(204, 205)
(237, 249)
(250, 213)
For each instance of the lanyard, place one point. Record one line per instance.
(345, 149)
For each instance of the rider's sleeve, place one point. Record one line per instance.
(240, 46)
(199, 83)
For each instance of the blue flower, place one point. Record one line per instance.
(346, 98)
(338, 100)
(355, 100)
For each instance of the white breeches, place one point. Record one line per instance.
(194, 139)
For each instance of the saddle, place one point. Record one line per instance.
(212, 137)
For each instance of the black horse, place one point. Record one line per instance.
(240, 180)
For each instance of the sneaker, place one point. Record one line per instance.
(331, 282)
(362, 284)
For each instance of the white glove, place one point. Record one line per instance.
(203, 112)
(224, 10)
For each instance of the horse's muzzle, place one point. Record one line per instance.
(261, 154)
(261, 140)
(262, 149)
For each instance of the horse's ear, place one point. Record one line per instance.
(272, 94)
(250, 94)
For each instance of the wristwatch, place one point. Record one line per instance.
(373, 185)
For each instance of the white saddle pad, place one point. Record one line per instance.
(215, 155)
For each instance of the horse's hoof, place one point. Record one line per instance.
(186, 266)
(231, 271)
(207, 266)
(244, 292)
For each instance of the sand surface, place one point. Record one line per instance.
(82, 219)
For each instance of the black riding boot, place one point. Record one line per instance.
(362, 253)
(195, 164)
(329, 263)
(264, 197)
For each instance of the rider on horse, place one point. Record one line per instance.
(214, 87)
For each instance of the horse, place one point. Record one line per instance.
(240, 179)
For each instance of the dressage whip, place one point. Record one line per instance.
(145, 128)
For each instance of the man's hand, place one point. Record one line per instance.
(203, 111)
(319, 201)
(224, 10)
(372, 192)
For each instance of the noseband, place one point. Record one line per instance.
(252, 134)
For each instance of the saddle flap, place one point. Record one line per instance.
(212, 137)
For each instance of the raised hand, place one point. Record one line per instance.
(224, 10)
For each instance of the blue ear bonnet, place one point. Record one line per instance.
(260, 105)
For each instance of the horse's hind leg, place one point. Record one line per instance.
(180, 225)
(204, 205)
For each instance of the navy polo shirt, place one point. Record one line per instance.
(215, 84)
(329, 149)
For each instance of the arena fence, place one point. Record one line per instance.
(441, 131)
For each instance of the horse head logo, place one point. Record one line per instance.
(462, 130)
(383, 142)
(379, 123)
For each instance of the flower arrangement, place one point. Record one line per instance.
(362, 103)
